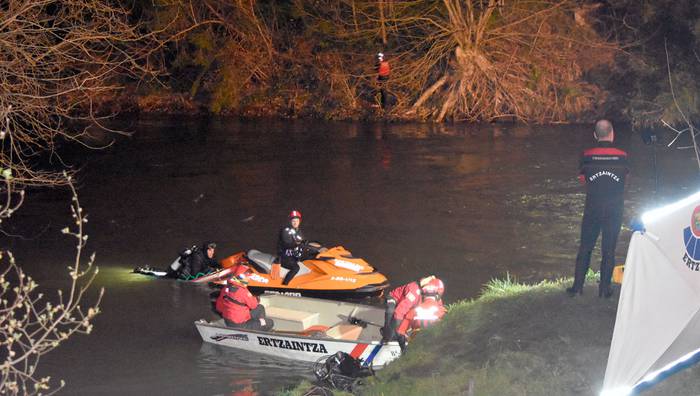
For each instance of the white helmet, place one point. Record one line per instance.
(380, 55)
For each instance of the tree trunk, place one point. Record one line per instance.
(382, 22)
(447, 106)
(430, 91)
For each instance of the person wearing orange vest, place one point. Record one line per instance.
(428, 312)
(383, 73)
(239, 307)
(403, 299)
(383, 68)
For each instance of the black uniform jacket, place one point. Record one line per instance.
(604, 170)
(289, 241)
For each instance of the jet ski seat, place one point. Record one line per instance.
(265, 261)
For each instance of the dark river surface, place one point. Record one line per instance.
(467, 203)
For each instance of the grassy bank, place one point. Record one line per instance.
(515, 340)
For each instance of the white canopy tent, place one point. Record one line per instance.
(657, 328)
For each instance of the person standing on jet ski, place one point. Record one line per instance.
(403, 299)
(195, 262)
(289, 246)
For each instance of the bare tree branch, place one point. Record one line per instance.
(691, 128)
(55, 57)
(31, 325)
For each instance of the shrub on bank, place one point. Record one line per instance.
(515, 339)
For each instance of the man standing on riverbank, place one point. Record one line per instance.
(603, 169)
(383, 73)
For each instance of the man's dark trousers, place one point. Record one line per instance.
(605, 217)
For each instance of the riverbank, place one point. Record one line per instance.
(287, 104)
(515, 339)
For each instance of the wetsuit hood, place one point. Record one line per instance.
(207, 245)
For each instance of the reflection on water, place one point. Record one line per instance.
(119, 276)
(466, 202)
(249, 372)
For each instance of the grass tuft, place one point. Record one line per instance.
(516, 339)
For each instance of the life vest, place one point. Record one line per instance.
(384, 69)
(425, 314)
(406, 297)
(235, 303)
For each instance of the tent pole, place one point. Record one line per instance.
(665, 372)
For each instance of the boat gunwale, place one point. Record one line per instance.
(204, 322)
(270, 298)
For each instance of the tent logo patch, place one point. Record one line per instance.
(691, 237)
(695, 222)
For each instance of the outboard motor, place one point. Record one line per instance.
(341, 371)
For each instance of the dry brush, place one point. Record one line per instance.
(55, 58)
(479, 60)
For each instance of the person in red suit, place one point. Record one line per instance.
(239, 307)
(383, 73)
(403, 299)
(425, 314)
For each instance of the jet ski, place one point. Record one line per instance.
(327, 273)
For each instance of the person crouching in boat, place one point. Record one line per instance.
(425, 314)
(239, 307)
(403, 299)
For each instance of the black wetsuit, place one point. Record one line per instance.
(198, 263)
(604, 170)
(289, 250)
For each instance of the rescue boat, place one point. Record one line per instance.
(330, 273)
(308, 329)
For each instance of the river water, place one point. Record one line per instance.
(468, 203)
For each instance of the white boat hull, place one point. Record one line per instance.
(301, 348)
(306, 329)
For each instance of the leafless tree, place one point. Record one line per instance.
(56, 57)
(229, 43)
(481, 59)
(32, 325)
(681, 115)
